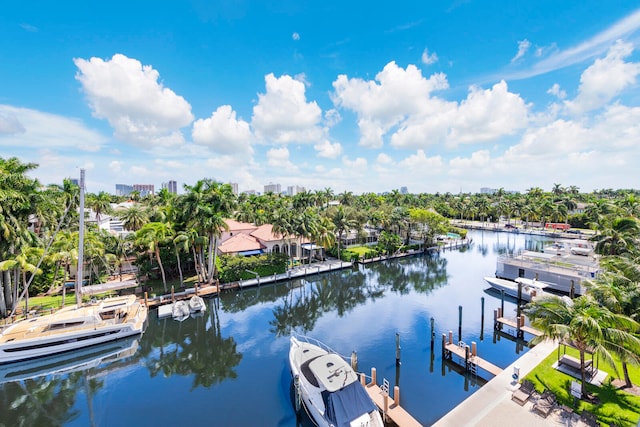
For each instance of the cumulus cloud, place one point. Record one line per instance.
(381, 104)
(357, 164)
(279, 158)
(328, 150)
(223, 133)
(605, 79)
(523, 47)
(283, 114)
(26, 128)
(115, 166)
(137, 106)
(384, 159)
(419, 162)
(428, 58)
(295, 36)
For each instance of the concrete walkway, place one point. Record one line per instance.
(491, 406)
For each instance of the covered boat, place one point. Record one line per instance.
(196, 304)
(329, 387)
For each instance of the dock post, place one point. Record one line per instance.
(466, 357)
(397, 348)
(354, 361)
(373, 376)
(474, 349)
(146, 299)
(196, 288)
(172, 296)
(519, 292)
(444, 344)
(459, 323)
(363, 378)
(450, 337)
(433, 333)
(385, 398)
(396, 395)
(572, 291)
(481, 318)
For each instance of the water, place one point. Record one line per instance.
(229, 366)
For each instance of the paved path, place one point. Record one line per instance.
(491, 406)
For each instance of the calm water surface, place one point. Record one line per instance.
(229, 366)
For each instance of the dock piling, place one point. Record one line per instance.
(397, 348)
(354, 361)
(459, 323)
(433, 333)
(172, 294)
(396, 395)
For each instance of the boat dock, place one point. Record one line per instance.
(518, 324)
(469, 354)
(390, 407)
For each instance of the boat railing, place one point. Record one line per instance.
(314, 341)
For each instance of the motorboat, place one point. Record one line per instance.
(180, 310)
(531, 288)
(77, 326)
(196, 304)
(64, 363)
(329, 387)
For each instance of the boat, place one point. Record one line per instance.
(76, 326)
(180, 310)
(329, 387)
(63, 363)
(196, 304)
(531, 288)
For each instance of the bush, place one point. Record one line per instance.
(237, 267)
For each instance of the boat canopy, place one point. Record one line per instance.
(332, 371)
(347, 404)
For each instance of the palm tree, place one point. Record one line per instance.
(150, 236)
(620, 237)
(133, 218)
(585, 325)
(100, 204)
(343, 221)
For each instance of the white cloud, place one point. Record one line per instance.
(223, 133)
(380, 106)
(24, 128)
(283, 114)
(421, 164)
(279, 158)
(557, 92)
(429, 59)
(480, 162)
(295, 36)
(138, 107)
(328, 150)
(357, 164)
(115, 166)
(523, 47)
(384, 159)
(605, 79)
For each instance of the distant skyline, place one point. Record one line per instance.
(354, 96)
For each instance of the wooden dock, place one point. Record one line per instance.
(204, 291)
(518, 324)
(468, 354)
(390, 408)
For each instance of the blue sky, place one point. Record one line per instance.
(357, 96)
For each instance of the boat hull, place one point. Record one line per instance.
(510, 288)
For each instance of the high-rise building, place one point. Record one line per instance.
(123, 189)
(171, 186)
(144, 189)
(234, 187)
(292, 190)
(272, 188)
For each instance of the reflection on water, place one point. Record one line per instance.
(228, 366)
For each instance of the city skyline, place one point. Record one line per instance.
(439, 98)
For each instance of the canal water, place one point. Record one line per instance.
(228, 367)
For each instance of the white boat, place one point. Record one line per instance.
(64, 363)
(196, 304)
(180, 310)
(329, 387)
(76, 326)
(531, 288)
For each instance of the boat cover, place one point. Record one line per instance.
(347, 404)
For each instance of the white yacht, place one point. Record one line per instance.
(76, 326)
(329, 387)
(531, 288)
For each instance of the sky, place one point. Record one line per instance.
(434, 96)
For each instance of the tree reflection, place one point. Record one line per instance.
(341, 292)
(193, 347)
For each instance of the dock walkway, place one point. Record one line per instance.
(390, 408)
(469, 354)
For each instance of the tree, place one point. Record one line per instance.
(585, 325)
(133, 218)
(150, 237)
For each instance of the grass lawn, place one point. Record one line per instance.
(615, 406)
(360, 250)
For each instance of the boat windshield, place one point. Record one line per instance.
(347, 404)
